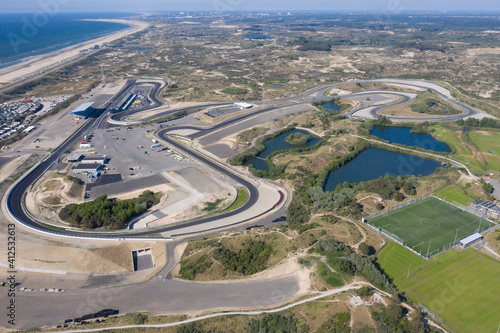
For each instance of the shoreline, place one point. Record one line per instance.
(37, 63)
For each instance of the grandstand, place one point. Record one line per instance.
(84, 110)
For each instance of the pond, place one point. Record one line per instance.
(279, 143)
(402, 135)
(374, 163)
(259, 36)
(332, 106)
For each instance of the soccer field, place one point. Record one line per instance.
(460, 287)
(430, 225)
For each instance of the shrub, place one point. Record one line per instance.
(107, 213)
(252, 258)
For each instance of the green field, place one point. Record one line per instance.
(489, 145)
(462, 152)
(487, 140)
(453, 193)
(463, 288)
(429, 225)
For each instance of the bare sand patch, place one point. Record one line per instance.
(163, 188)
(287, 267)
(471, 53)
(52, 192)
(194, 188)
(73, 259)
(405, 87)
(12, 166)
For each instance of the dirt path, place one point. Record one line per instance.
(361, 230)
(349, 287)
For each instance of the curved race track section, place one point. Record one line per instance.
(15, 197)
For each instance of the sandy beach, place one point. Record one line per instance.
(13, 73)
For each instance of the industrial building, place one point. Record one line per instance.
(29, 129)
(487, 208)
(95, 159)
(84, 110)
(76, 158)
(86, 168)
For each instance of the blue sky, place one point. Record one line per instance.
(281, 5)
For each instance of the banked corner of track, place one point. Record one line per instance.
(15, 196)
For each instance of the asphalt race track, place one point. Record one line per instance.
(15, 198)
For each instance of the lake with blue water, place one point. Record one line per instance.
(374, 163)
(402, 135)
(259, 36)
(332, 106)
(279, 143)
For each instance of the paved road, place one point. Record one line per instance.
(350, 287)
(155, 296)
(5, 160)
(15, 196)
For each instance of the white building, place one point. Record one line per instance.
(86, 168)
(29, 129)
(95, 159)
(243, 106)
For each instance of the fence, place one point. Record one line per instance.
(398, 206)
(441, 249)
(467, 209)
(388, 234)
(430, 313)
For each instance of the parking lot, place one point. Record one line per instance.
(133, 164)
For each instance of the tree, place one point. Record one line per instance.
(416, 323)
(296, 213)
(346, 267)
(365, 291)
(393, 313)
(107, 213)
(364, 249)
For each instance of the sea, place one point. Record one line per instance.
(26, 35)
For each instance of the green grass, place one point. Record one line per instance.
(241, 199)
(460, 287)
(331, 278)
(453, 193)
(430, 224)
(396, 260)
(462, 152)
(235, 91)
(487, 142)
(211, 206)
